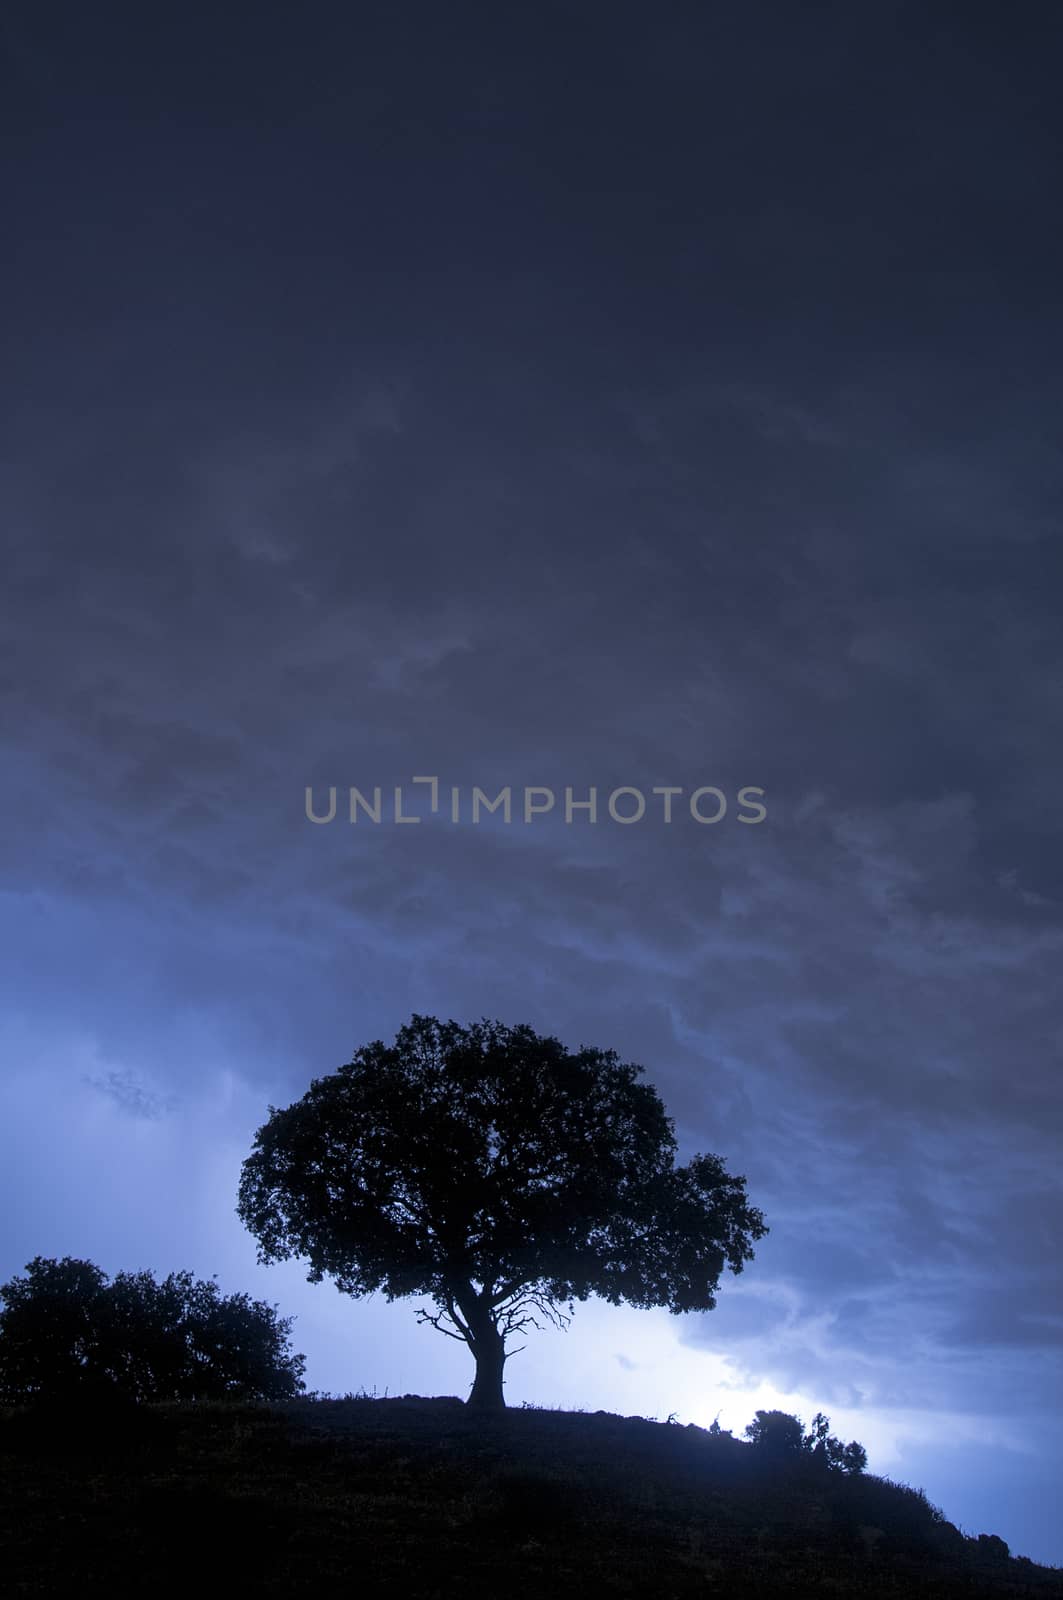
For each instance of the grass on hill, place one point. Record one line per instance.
(420, 1499)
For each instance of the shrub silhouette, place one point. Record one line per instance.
(779, 1436)
(775, 1434)
(68, 1332)
(500, 1175)
(828, 1451)
(993, 1546)
(852, 1457)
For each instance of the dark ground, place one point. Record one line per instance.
(415, 1498)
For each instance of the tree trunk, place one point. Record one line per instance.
(489, 1351)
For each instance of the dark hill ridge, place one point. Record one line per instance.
(418, 1498)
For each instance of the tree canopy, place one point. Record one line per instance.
(500, 1175)
(67, 1330)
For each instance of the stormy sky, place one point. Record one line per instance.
(568, 397)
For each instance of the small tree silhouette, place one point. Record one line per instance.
(821, 1444)
(780, 1435)
(852, 1458)
(67, 1331)
(499, 1174)
(775, 1433)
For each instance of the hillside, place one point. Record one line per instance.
(416, 1498)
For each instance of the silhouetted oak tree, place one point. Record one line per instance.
(499, 1174)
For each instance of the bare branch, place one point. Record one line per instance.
(437, 1323)
(505, 1292)
(448, 1314)
(521, 1313)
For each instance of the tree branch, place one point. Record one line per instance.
(448, 1313)
(437, 1323)
(506, 1292)
(521, 1313)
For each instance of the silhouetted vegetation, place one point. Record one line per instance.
(500, 1175)
(68, 1332)
(413, 1497)
(143, 1422)
(775, 1433)
(779, 1435)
